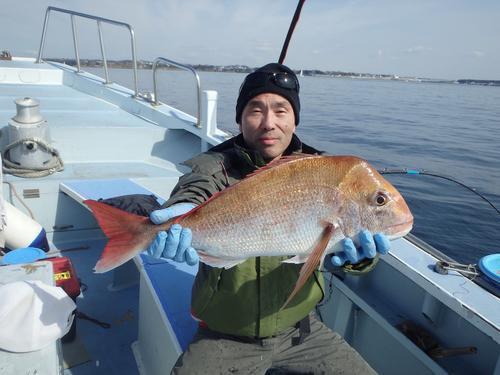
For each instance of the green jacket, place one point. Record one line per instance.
(244, 300)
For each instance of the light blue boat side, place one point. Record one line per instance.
(113, 143)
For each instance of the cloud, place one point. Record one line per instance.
(417, 49)
(358, 35)
(265, 47)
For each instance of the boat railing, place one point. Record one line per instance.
(163, 61)
(99, 21)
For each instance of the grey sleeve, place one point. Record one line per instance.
(195, 188)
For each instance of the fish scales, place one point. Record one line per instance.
(290, 207)
(291, 227)
(278, 211)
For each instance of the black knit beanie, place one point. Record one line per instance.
(257, 83)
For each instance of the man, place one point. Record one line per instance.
(242, 329)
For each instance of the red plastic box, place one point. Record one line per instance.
(65, 276)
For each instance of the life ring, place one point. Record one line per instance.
(20, 230)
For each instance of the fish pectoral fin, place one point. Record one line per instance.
(219, 262)
(312, 262)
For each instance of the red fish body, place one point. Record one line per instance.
(298, 206)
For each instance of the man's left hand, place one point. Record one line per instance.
(370, 245)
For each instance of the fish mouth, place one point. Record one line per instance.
(400, 230)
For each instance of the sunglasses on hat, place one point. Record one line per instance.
(259, 79)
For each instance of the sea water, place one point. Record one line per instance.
(448, 129)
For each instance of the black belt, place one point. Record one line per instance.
(303, 325)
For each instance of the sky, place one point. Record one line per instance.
(448, 39)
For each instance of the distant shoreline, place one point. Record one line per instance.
(144, 64)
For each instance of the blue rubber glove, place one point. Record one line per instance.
(176, 242)
(370, 246)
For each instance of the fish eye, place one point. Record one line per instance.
(381, 198)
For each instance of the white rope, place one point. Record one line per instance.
(54, 165)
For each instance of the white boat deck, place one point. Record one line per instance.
(107, 151)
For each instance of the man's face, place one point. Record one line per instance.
(267, 125)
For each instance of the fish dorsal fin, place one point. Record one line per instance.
(280, 161)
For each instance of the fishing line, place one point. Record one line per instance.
(432, 174)
(295, 19)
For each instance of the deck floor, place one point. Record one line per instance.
(103, 350)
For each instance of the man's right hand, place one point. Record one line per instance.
(176, 242)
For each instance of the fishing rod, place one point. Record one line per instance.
(485, 272)
(295, 19)
(294, 22)
(433, 174)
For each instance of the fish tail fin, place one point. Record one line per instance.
(128, 234)
(312, 262)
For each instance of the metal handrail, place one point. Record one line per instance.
(101, 41)
(180, 66)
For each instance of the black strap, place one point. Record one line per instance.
(304, 326)
(83, 316)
